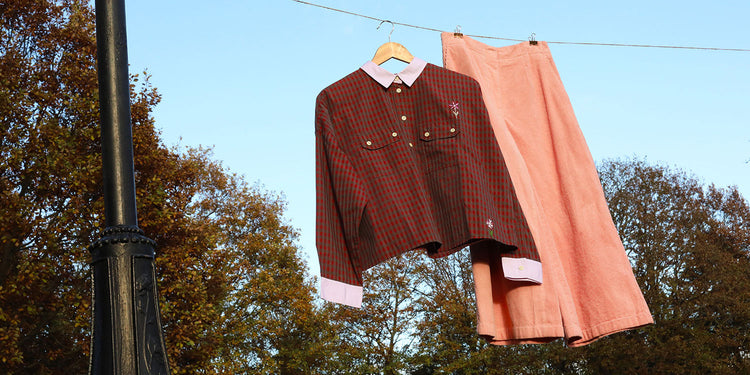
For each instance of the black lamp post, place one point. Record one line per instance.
(127, 334)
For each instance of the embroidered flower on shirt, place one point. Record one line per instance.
(490, 225)
(454, 108)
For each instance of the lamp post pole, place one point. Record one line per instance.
(127, 335)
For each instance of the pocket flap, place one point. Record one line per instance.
(440, 131)
(379, 141)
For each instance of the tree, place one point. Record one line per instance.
(690, 249)
(48, 160)
(234, 293)
(690, 246)
(448, 342)
(446, 329)
(378, 338)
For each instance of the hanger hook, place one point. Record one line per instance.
(393, 27)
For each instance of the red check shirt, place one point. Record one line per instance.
(409, 164)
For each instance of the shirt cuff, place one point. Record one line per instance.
(338, 292)
(522, 269)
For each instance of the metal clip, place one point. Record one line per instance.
(457, 33)
(532, 39)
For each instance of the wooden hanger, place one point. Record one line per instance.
(391, 50)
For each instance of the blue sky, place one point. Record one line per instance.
(242, 77)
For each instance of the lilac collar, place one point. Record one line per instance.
(385, 78)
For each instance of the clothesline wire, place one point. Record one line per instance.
(522, 40)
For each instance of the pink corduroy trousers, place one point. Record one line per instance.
(589, 290)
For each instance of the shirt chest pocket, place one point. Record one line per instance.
(440, 144)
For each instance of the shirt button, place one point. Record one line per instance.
(426, 134)
(403, 118)
(411, 145)
(394, 134)
(369, 143)
(453, 130)
(520, 268)
(398, 90)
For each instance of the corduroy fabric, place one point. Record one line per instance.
(409, 167)
(589, 289)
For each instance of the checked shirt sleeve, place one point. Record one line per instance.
(340, 201)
